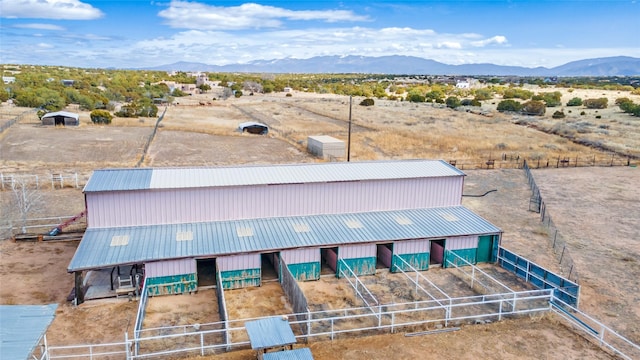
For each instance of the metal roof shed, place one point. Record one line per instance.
(22, 327)
(61, 118)
(269, 333)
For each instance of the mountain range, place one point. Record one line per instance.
(410, 65)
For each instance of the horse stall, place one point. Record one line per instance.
(303, 263)
(240, 271)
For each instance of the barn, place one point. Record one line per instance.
(64, 118)
(186, 225)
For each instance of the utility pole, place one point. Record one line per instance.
(349, 138)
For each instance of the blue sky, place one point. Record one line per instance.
(138, 33)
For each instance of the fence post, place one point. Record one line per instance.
(126, 346)
(562, 255)
(201, 344)
(555, 236)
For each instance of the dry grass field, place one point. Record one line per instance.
(595, 208)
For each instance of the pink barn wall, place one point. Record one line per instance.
(174, 206)
(461, 242)
(170, 267)
(411, 247)
(300, 256)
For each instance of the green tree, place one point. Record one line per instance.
(576, 101)
(101, 117)
(415, 97)
(367, 102)
(509, 105)
(534, 107)
(204, 87)
(453, 102)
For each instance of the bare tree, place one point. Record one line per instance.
(226, 93)
(252, 86)
(26, 198)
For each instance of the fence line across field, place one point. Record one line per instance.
(9, 181)
(332, 323)
(556, 239)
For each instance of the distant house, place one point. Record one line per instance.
(68, 82)
(287, 89)
(462, 85)
(64, 118)
(8, 79)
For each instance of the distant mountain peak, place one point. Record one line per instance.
(402, 64)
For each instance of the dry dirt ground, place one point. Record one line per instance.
(592, 201)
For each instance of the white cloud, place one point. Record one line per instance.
(218, 47)
(44, 46)
(193, 15)
(40, 27)
(500, 40)
(49, 9)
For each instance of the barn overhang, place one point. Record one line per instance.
(108, 247)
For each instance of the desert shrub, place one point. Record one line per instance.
(238, 93)
(576, 101)
(453, 102)
(551, 99)
(515, 93)
(289, 95)
(413, 97)
(600, 103)
(558, 115)
(101, 117)
(470, 102)
(367, 102)
(582, 113)
(598, 116)
(534, 107)
(509, 105)
(483, 94)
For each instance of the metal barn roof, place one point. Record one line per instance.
(172, 178)
(270, 332)
(22, 327)
(107, 247)
(61, 113)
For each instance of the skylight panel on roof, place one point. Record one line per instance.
(403, 220)
(244, 231)
(119, 240)
(449, 217)
(301, 227)
(184, 235)
(353, 224)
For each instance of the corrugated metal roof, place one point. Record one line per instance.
(210, 239)
(297, 354)
(171, 178)
(22, 327)
(61, 113)
(270, 332)
(119, 179)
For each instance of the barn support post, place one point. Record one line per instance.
(79, 288)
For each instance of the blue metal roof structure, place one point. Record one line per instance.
(297, 354)
(173, 178)
(108, 247)
(270, 332)
(22, 327)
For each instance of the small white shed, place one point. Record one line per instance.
(325, 146)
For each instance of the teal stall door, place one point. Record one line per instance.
(485, 246)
